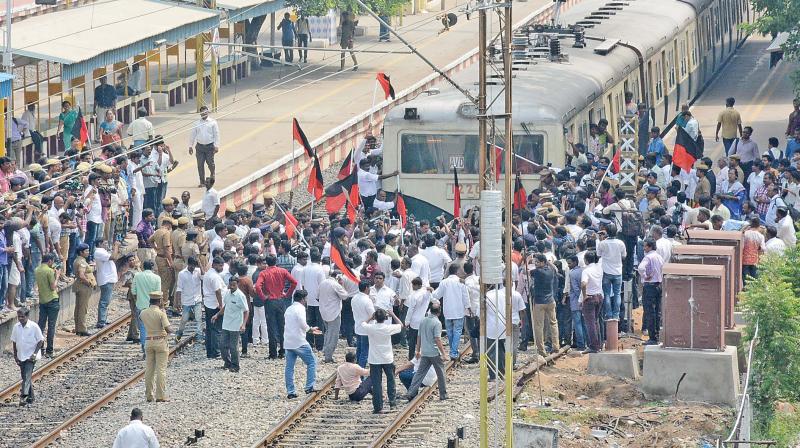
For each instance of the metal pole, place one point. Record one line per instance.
(8, 65)
(214, 66)
(200, 68)
(509, 186)
(414, 50)
(484, 371)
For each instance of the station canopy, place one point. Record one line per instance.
(238, 10)
(100, 34)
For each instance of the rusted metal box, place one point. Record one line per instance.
(713, 255)
(722, 238)
(693, 306)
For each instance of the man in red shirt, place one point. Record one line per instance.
(274, 286)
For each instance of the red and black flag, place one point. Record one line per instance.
(338, 193)
(300, 138)
(345, 169)
(520, 195)
(686, 150)
(80, 131)
(615, 161)
(386, 85)
(337, 258)
(290, 224)
(315, 186)
(400, 205)
(498, 162)
(456, 195)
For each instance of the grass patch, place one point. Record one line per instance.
(546, 416)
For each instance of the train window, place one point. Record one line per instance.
(438, 153)
(683, 58)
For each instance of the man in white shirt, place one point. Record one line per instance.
(774, 245)
(612, 252)
(382, 296)
(775, 203)
(331, 295)
(296, 346)
(455, 304)
(472, 321)
(137, 187)
(136, 434)
(381, 203)
(368, 182)
(136, 80)
(106, 277)
(663, 245)
(188, 291)
(417, 304)
(420, 265)
(212, 302)
(496, 330)
(363, 308)
(94, 213)
(381, 356)
(210, 205)
(313, 275)
(140, 129)
(204, 138)
(592, 289)
(26, 341)
(437, 260)
(785, 227)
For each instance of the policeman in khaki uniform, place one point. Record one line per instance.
(177, 238)
(84, 285)
(199, 219)
(168, 205)
(156, 350)
(162, 243)
(189, 248)
(270, 211)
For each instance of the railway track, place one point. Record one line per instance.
(74, 385)
(348, 424)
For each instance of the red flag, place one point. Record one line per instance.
(338, 193)
(300, 138)
(615, 165)
(386, 85)
(456, 195)
(291, 224)
(498, 162)
(400, 204)
(315, 186)
(337, 258)
(520, 196)
(686, 150)
(79, 130)
(345, 169)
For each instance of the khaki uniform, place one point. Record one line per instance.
(189, 249)
(703, 189)
(177, 238)
(164, 214)
(163, 245)
(202, 244)
(83, 292)
(156, 351)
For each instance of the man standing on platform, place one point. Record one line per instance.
(26, 341)
(105, 98)
(729, 122)
(156, 350)
(204, 138)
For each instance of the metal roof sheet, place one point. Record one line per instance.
(99, 34)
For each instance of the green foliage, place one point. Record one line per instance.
(773, 300)
(776, 16)
(321, 7)
(783, 429)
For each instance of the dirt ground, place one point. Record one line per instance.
(593, 410)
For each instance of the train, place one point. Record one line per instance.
(664, 52)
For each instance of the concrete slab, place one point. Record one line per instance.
(733, 338)
(66, 312)
(623, 364)
(706, 376)
(738, 318)
(535, 436)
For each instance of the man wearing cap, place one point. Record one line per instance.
(167, 206)
(156, 351)
(178, 238)
(270, 210)
(162, 243)
(84, 285)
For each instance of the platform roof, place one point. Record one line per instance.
(239, 10)
(6, 81)
(100, 34)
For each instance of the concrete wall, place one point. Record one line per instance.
(66, 298)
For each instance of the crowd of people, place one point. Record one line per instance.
(584, 252)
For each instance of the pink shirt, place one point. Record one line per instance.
(348, 377)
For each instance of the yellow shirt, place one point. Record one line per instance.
(155, 321)
(729, 120)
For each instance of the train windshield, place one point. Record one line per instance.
(439, 153)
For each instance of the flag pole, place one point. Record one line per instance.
(372, 109)
(292, 185)
(299, 233)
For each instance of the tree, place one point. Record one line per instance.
(778, 16)
(321, 7)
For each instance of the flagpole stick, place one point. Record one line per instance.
(292, 184)
(372, 109)
(299, 233)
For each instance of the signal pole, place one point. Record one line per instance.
(509, 187)
(482, 177)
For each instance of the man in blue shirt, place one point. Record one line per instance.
(576, 302)
(287, 36)
(656, 145)
(793, 145)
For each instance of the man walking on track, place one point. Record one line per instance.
(205, 139)
(156, 326)
(26, 341)
(430, 353)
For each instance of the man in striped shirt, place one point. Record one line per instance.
(650, 272)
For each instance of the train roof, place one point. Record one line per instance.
(552, 92)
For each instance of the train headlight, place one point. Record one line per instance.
(468, 110)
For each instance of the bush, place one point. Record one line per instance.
(773, 300)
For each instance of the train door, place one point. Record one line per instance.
(677, 71)
(665, 90)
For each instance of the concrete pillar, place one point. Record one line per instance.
(272, 29)
(612, 335)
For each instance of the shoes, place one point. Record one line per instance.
(291, 396)
(355, 69)
(311, 390)
(392, 405)
(272, 357)
(225, 367)
(650, 342)
(162, 400)
(82, 333)
(136, 341)
(178, 338)
(233, 370)
(245, 355)
(380, 411)
(408, 397)
(523, 348)
(201, 186)
(471, 360)
(149, 400)
(443, 397)
(48, 355)
(328, 361)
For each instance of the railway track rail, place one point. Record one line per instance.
(74, 385)
(348, 424)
